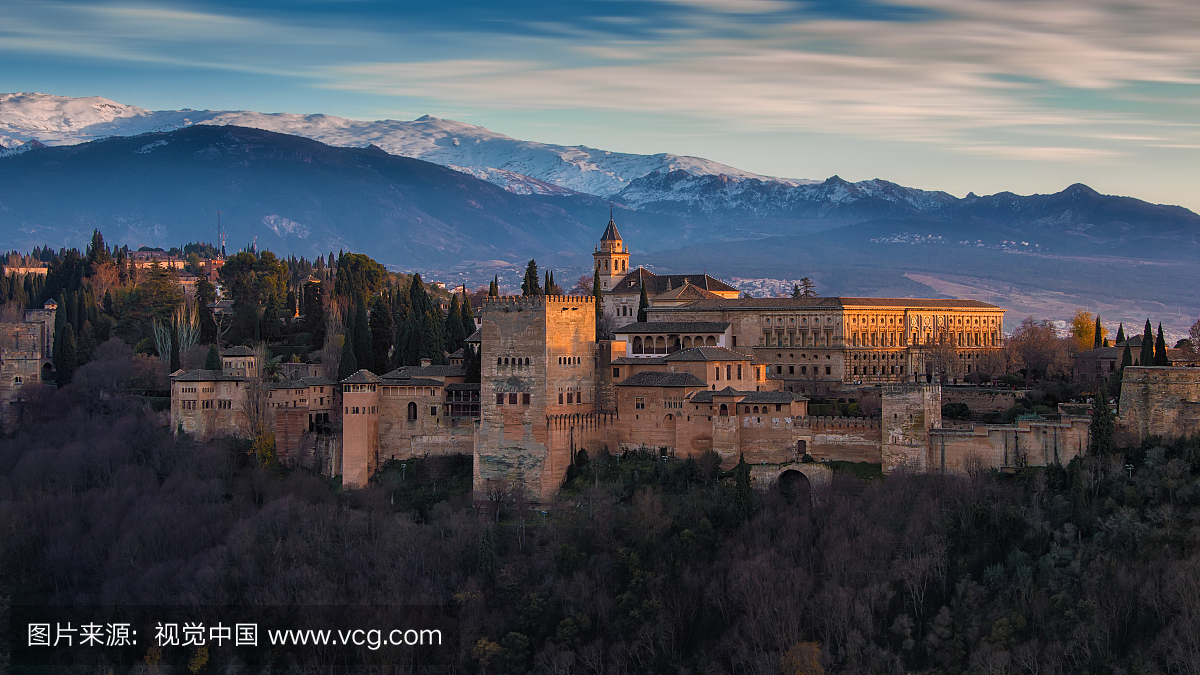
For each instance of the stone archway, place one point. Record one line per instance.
(795, 487)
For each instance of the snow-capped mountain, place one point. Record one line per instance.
(524, 167)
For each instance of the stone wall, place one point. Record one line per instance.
(1026, 443)
(1158, 401)
(982, 399)
(909, 412)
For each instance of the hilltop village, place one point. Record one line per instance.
(676, 364)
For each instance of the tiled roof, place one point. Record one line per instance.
(290, 384)
(610, 232)
(750, 397)
(413, 382)
(426, 371)
(463, 386)
(207, 376)
(674, 327)
(687, 292)
(238, 351)
(661, 283)
(639, 360)
(659, 379)
(317, 381)
(363, 376)
(476, 337)
(707, 354)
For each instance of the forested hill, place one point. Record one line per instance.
(641, 566)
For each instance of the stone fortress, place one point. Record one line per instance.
(707, 370)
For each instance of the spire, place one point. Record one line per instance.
(610, 232)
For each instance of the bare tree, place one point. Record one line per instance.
(942, 354)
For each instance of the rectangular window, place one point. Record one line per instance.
(828, 370)
(803, 370)
(499, 399)
(791, 370)
(778, 370)
(512, 398)
(639, 403)
(728, 371)
(560, 398)
(616, 372)
(718, 372)
(778, 407)
(570, 398)
(433, 411)
(524, 399)
(739, 371)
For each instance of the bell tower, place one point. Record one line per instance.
(612, 258)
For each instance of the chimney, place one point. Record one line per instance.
(425, 363)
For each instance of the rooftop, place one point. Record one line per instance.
(238, 351)
(363, 376)
(707, 354)
(661, 283)
(789, 304)
(201, 375)
(674, 327)
(658, 379)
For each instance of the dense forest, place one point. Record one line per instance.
(641, 565)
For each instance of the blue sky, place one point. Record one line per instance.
(959, 95)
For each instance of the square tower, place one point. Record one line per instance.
(612, 258)
(537, 370)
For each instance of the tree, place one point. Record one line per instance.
(743, 496)
(347, 366)
(213, 360)
(1083, 330)
(1126, 358)
(65, 357)
(1039, 348)
(312, 312)
(358, 277)
(796, 290)
(360, 331)
(472, 366)
(643, 303)
(1160, 349)
(383, 331)
(454, 326)
(1121, 332)
(467, 314)
(1098, 342)
(1147, 355)
(1102, 430)
(530, 287)
(808, 288)
(494, 287)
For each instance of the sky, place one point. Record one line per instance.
(957, 95)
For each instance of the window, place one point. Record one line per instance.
(791, 370)
(728, 371)
(524, 399)
(412, 411)
(206, 405)
(570, 398)
(739, 371)
(718, 372)
(616, 372)
(639, 403)
(778, 407)
(828, 370)
(512, 398)
(499, 399)
(560, 398)
(433, 411)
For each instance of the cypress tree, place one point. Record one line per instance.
(1126, 358)
(1098, 341)
(364, 350)
(743, 497)
(382, 332)
(213, 360)
(529, 287)
(549, 288)
(1160, 349)
(643, 303)
(454, 326)
(432, 345)
(494, 288)
(1103, 428)
(347, 366)
(468, 315)
(1147, 356)
(1120, 333)
(65, 358)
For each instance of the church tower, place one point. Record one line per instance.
(612, 258)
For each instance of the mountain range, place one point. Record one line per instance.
(437, 194)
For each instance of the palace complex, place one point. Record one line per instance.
(780, 381)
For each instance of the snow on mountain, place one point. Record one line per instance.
(519, 166)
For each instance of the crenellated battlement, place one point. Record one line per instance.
(532, 301)
(839, 422)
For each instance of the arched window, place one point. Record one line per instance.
(687, 342)
(498, 360)
(724, 410)
(660, 345)
(526, 360)
(412, 411)
(710, 341)
(756, 410)
(637, 345)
